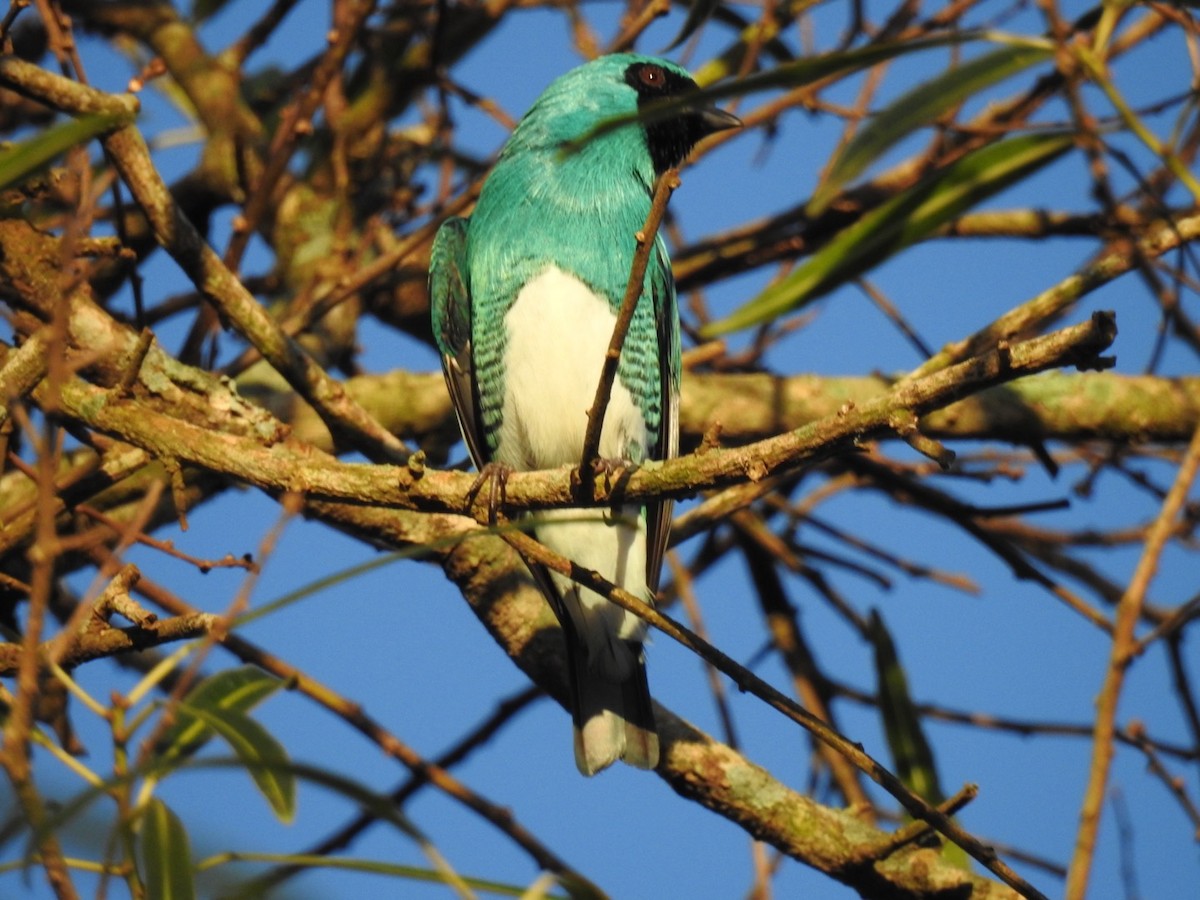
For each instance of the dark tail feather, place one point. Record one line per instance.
(613, 719)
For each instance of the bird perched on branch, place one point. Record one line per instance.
(525, 295)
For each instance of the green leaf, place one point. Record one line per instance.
(789, 75)
(904, 220)
(70, 809)
(912, 756)
(263, 757)
(239, 689)
(204, 9)
(166, 854)
(911, 753)
(698, 13)
(379, 867)
(23, 159)
(921, 106)
(809, 69)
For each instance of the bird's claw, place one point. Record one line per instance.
(609, 467)
(495, 475)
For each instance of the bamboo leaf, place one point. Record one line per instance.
(23, 159)
(912, 755)
(239, 689)
(900, 222)
(380, 806)
(263, 757)
(789, 75)
(698, 13)
(166, 854)
(205, 9)
(921, 106)
(809, 69)
(540, 887)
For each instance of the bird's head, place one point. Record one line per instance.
(569, 111)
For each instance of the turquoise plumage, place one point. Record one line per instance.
(524, 297)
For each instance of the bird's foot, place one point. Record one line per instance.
(608, 471)
(495, 476)
(609, 468)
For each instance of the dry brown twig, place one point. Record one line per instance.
(1123, 650)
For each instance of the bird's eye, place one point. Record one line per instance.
(652, 76)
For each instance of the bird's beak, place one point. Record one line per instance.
(713, 119)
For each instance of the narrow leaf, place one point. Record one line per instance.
(912, 755)
(239, 689)
(981, 175)
(900, 222)
(809, 69)
(70, 809)
(204, 9)
(921, 106)
(166, 854)
(789, 75)
(23, 159)
(263, 756)
(256, 889)
(698, 13)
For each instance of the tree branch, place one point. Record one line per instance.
(176, 234)
(292, 466)
(501, 592)
(110, 641)
(1123, 648)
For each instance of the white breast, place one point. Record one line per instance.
(558, 332)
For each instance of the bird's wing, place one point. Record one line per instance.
(666, 318)
(450, 299)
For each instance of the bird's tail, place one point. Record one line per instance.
(614, 719)
(610, 699)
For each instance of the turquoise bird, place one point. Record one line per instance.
(524, 298)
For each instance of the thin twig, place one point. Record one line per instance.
(914, 831)
(1171, 626)
(18, 725)
(1123, 646)
(1183, 690)
(747, 681)
(357, 718)
(176, 233)
(504, 714)
(1175, 784)
(1022, 727)
(789, 641)
(687, 596)
(297, 121)
(667, 182)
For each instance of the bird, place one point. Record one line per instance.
(524, 296)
